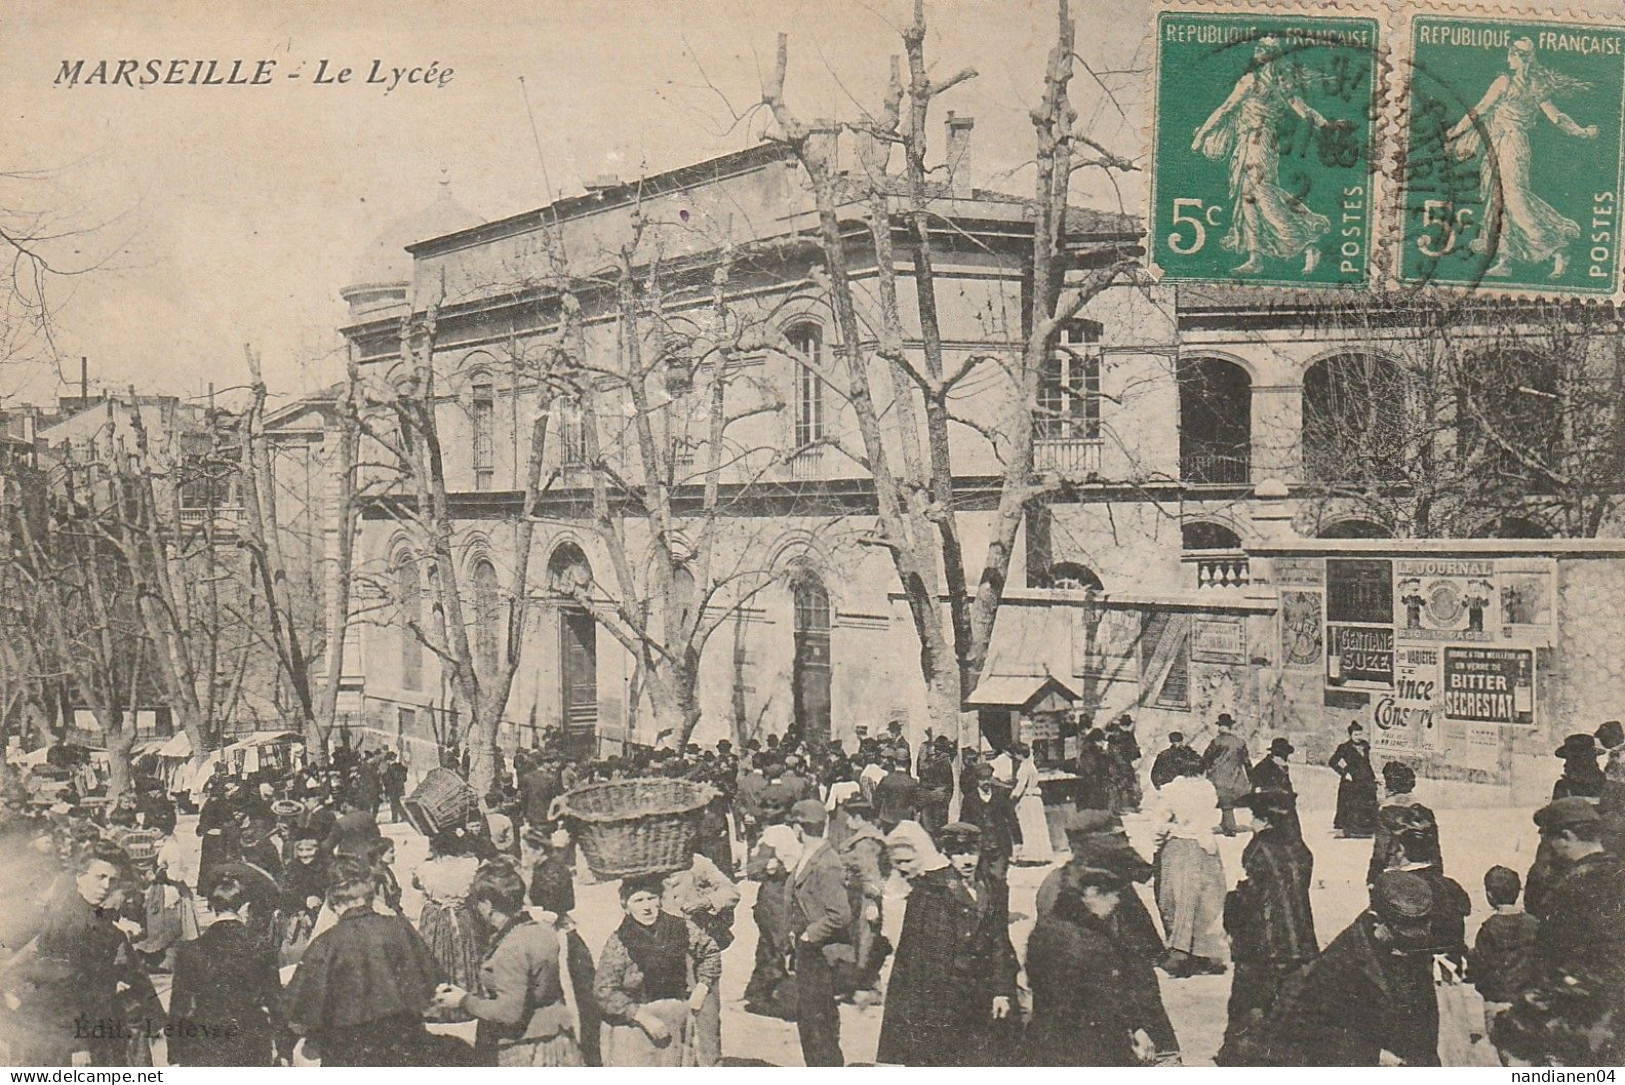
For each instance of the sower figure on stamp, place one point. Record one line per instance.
(1265, 219)
(1530, 229)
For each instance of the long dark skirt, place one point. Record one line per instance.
(1356, 808)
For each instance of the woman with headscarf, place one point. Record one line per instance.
(954, 964)
(776, 855)
(447, 921)
(1190, 877)
(653, 976)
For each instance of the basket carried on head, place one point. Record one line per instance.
(442, 799)
(629, 828)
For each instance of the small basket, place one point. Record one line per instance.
(442, 799)
(630, 828)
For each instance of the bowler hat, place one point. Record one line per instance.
(1580, 745)
(959, 837)
(1566, 812)
(1611, 734)
(1280, 747)
(1226, 720)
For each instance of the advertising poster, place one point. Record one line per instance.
(1528, 589)
(1407, 718)
(1218, 640)
(1489, 685)
(1445, 599)
(1299, 572)
(1360, 590)
(1359, 657)
(1301, 636)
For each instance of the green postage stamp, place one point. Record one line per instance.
(1262, 136)
(1512, 164)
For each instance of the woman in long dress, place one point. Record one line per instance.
(1522, 225)
(653, 976)
(1035, 842)
(1265, 219)
(1190, 878)
(1357, 786)
(447, 922)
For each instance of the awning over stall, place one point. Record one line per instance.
(1027, 693)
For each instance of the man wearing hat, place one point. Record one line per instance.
(863, 855)
(1581, 776)
(1611, 804)
(1272, 773)
(1226, 763)
(1576, 1015)
(955, 975)
(1370, 992)
(1176, 761)
(1268, 915)
(936, 782)
(821, 929)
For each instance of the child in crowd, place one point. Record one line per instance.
(1502, 960)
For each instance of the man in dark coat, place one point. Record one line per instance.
(369, 784)
(1092, 1006)
(1124, 752)
(1575, 1015)
(394, 781)
(897, 795)
(226, 989)
(936, 782)
(1581, 776)
(1175, 761)
(1370, 992)
(1226, 763)
(1357, 786)
(1098, 843)
(821, 926)
(953, 981)
(1272, 772)
(1611, 804)
(1267, 915)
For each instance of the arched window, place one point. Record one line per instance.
(1071, 576)
(1203, 535)
(568, 569)
(487, 617)
(1215, 423)
(568, 572)
(1353, 529)
(409, 605)
(1355, 420)
(482, 417)
(807, 347)
(810, 684)
(1519, 527)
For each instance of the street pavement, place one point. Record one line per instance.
(1474, 839)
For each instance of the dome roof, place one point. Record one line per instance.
(386, 259)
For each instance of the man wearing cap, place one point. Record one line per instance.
(863, 855)
(1370, 992)
(1576, 1014)
(1268, 915)
(955, 974)
(1176, 761)
(1226, 763)
(821, 925)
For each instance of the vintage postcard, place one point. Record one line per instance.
(811, 533)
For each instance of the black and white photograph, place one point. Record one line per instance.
(717, 533)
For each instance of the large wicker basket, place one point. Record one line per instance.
(629, 828)
(442, 799)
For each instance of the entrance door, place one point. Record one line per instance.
(811, 667)
(578, 670)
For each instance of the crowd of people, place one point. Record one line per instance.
(283, 931)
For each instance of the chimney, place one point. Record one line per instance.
(601, 184)
(959, 129)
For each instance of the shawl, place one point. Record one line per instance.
(366, 968)
(660, 951)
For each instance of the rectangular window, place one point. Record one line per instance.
(1069, 391)
(484, 419)
(808, 345)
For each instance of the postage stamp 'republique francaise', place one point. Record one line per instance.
(1426, 149)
